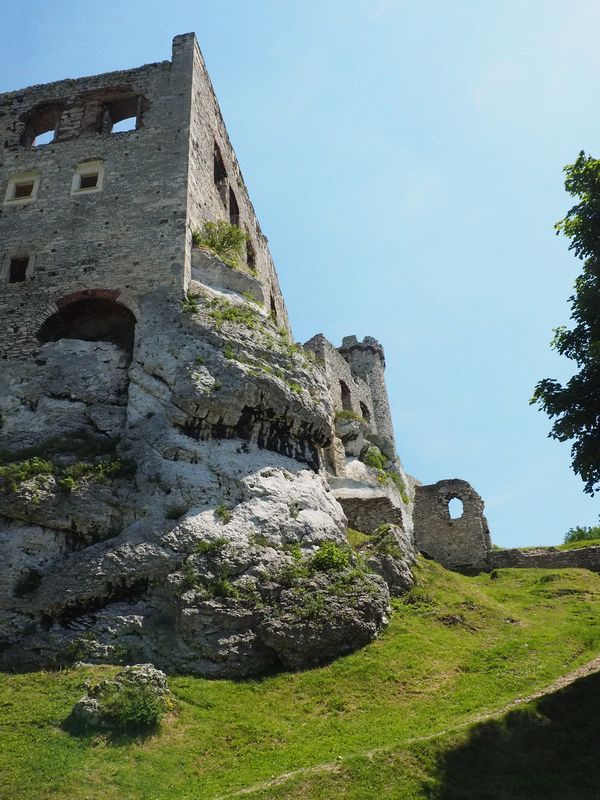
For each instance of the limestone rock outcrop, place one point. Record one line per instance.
(172, 499)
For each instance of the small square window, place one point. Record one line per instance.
(88, 181)
(22, 188)
(17, 270)
(88, 177)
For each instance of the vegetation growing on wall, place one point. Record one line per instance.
(225, 240)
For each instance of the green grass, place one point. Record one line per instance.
(456, 647)
(580, 543)
(543, 750)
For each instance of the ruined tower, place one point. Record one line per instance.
(103, 180)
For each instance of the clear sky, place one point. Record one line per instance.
(405, 160)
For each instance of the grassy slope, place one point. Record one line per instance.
(461, 646)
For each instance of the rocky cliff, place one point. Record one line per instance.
(169, 502)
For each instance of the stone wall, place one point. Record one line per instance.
(547, 558)
(129, 236)
(216, 185)
(462, 544)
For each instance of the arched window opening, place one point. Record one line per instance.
(455, 508)
(346, 398)
(41, 125)
(250, 253)
(93, 319)
(121, 115)
(220, 174)
(366, 414)
(234, 209)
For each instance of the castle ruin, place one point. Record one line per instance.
(175, 468)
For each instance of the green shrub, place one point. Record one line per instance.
(221, 311)
(400, 485)
(190, 576)
(343, 414)
(581, 534)
(221, 586)
(102, 471)
(213, 545)
(189, 305)
(223, 513)
(373, 457)
(18, 472)
(67, 484)
(134, 708)
(330, 557)
(309, 605)
(356, 538)
(225, 240)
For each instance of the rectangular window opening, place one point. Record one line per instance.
(23, 189)
(88, 181)
(17, 271)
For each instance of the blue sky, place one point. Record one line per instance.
(405, 160)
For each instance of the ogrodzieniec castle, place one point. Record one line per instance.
(178, 475)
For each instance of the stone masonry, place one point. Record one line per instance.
(463, 543)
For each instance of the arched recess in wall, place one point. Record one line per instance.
(41, 124)
(92, 319)
(346, 397)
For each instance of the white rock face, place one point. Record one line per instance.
(196, 555)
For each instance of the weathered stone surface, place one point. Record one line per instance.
(209, 270)
(370, 499)
(391, 553)
(311, 623)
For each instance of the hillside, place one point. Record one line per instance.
(457, 649)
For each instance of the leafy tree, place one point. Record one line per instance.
(575, 407)
(581, 534)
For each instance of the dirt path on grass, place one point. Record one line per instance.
(332, 766)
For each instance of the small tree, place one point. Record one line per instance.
(575, 407)
(581, 534)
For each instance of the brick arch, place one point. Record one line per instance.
(92, 315)
(122, 298)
